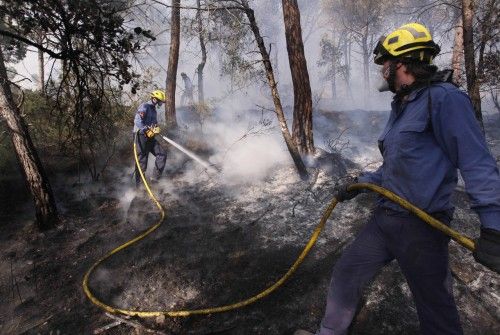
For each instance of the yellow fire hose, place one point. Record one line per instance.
(463, 240)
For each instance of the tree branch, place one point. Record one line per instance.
(30, 42)
(207, 8)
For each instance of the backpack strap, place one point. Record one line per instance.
(444, 76)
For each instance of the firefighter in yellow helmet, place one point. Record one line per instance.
(409, 44)
(146, 127)
(431, 133)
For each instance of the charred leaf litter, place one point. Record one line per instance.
(221, 242)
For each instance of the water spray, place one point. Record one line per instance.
(191, 154)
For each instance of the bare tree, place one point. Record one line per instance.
(488, 49)
(346, 50)
(489, 29)
(309, 18)
(302, 131)
(39, 38)
(173, 61)
(331, 58)
(32, 169)
(362, 20)
(457, 58)
(201, 66)
(468, 12)
(494, 98)
(292, 148)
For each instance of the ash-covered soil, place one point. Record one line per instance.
(220, 243)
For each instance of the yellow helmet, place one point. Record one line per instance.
(411, 40)
(158, 94)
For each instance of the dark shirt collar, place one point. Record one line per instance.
(399, 104)
(415, 93)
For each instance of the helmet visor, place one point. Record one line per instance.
(380, 52)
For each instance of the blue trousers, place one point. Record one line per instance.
(422, 253)
(144, 147)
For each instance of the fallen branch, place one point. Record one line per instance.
(136, 325)
(107, 327)
(14, 284)
(36, 325)
(261, 216)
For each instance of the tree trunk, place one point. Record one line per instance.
(31, 166)
(277, 64)
(334, 77)
(39, 38)
(41, 71)
(294, 152)
(347, 64)
(487, 30)
(494, 98)
(458, 53)
(366, 74)
(334, 89)
(302, 130)
(366, 60)
(366, 71)
(470, 65)
(201, 66)
(366, 66)
(173, 60)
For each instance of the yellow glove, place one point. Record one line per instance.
(152, 131)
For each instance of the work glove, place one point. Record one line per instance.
(152, 131)
(487, 250)
(341, 192)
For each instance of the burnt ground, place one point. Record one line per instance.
(219, 244)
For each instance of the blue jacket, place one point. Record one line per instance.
(423, 148)
(149, 117)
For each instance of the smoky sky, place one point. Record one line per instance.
(316, 23)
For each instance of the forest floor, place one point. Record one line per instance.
(219, 244)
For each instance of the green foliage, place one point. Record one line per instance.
(80, 113)
(90, 37)
(229, 31)
(91, 142)
(7, 157)
(37, 111)
(13, 49)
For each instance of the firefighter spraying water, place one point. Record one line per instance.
(145, 129)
